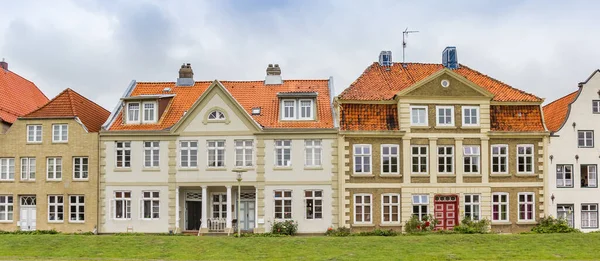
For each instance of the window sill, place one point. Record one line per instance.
(56, 222)
(589, 228)
(34, 143)
(216, 169)
(446, 175)
(363, 225)
(150, 169)
(53, 180)
(150, 219)
(420, 174)
(6, 221)
(563, 187)
(360, 175)
(121, 219)
(501, 223)
(76, 222)
(471, 174)
(188, 169)
(390, 224)
(470, 127)
(419, 127)
(588, 187)
(122, 170)
(81, 180)
(500, 175)
(7, 180)
(532, 222)
(60, 142)
(525, 174)
(445, 127)
(395, 175)
(27, 181)
(313, 168)
(282, 168)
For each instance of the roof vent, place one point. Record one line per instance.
(273, 75)
(186, 75)
(256, 111)
(385, 58)
(4, 65)
(166, 89)
(450, 58)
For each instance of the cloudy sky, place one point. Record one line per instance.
(97, 47)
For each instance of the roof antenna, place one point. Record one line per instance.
(405, 35)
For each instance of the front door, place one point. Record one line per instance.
(194, 215)
(27, 214)
(446, 211)
(247, 213)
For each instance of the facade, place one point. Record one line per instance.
(443, 140)
(49, 167)
(171, 151)
(572, 182)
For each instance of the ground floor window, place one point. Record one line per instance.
(6, 208)
(283, 204)
(219, 201)
(362, 208)
(314, 204)
(472, 207)
(150, 205)
(565, 212)
(122, 205)
(500, 207)
(589, 216)
(526, 207)
(420, 206)
(76, 208)
(55, 208)
(390, 204)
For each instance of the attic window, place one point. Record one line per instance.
(297, 109)
(216, 115)
(256, 111)
(142, 112)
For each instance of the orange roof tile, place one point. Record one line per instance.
(248, 94)
(72, 104)
(369, 117)
(517, 118)
(555, 113)
(18, 96)
(383, 82)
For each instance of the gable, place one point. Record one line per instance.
(457, 87)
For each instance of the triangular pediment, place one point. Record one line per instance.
(446, 83)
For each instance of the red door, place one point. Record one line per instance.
(446, 211)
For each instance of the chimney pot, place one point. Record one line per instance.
(273, 75)
(4, 65)
(186, 75)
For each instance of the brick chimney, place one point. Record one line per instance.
(273, 75)
(4, 65)
(186, 75)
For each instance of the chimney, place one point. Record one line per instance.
(385, 58)
(186, 75)
(4, 65)
(273, 75)
(450, 58)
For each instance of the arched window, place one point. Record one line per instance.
(216, 115)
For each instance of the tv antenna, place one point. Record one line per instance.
(404, 36)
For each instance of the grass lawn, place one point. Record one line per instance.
(430, 247)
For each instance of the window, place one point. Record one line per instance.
(524, 158)
(243, 153)
(589, 176)
(216, 153)
(55, 208)
(471, 156)
(54, 170)
(283, 153)
(219, 201)
(27, 168)
(122, 205)
(390, 204)
(188, 154)
(500, 207)
(151, 153)
(445, 115)
(446, 159)
(314, 204)
(564, 176)
(149, 112)
(500, 159)
(76, 208)
(7, 169)
(6, 208)
(301, 109)
(420, 206)
(216, 115)
(565, 212)
(472, 207)
(306, 109)
(150, 205)
(289, 109)
(596, 106)
(312, 151)
(589, 215)
(123, 153)
(362, 208)
(133, 112)
(34, 133)
(470, 116)
(585, 139)
(390, 159)
(283, 204)
(80, 168)
(419, 159)
(418, 115)
(60, 132)
(362, 158)
(526, 205)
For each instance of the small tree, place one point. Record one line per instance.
(416, 225)
(553, 225)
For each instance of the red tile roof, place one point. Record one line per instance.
(18, 96)
(359, 117)
(516, 118)
(555, 113)
(383, 82)
(69, 104)
(248, 94)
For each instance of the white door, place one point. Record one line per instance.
(27, 217)
(247, 213)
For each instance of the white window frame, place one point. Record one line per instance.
(561, 175)
(412, 115)
(464, 117)
(57, 205)
(588, 135)
(301, 109)
(34, 133)
(125, 152)
(7, 208)
(472, 201)
(7, 169)
(420, 201)
(314, 196)
(133, 115)
(28, 168)
(153, 196)
(593, 178)
(364, 154)
(152, 149)
(390, 156)
(525, 156)
(189, 149)
(54, 168)
(421, 157)
(285, 111)
(313, 150)
(281, 150)
(244, 153)
(221, 203)
(445, 110)
(84, 168)
(589, 214)
(473, 153)
(566, 212)
(77, 204)
(390, 205)
(154, 111)
(216, 149)
(286, 196)
(125, 205)
(362, 205)
(501, 157)
(501, 203)
(216, 115)
(595, 106)
(445, 157)
(60, 133)
(529, 205)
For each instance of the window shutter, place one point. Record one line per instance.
(111, 212)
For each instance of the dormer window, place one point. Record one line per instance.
(142, 112)
(149, 112)
(216, 115)
(297, 109)
(133, 112)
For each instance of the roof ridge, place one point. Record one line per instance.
(237, 81)
(28, 81)
(501, 82)
(565, 96)
(46, 104)
(85, 98)
(69, 91)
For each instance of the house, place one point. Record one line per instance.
(171, 153)
(49, 166)
(19, 97)
(573, 192)
(443, 140)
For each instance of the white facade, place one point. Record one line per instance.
(573, 173)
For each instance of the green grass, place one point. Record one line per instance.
(429, 247)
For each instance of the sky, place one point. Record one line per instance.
(96, 47)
